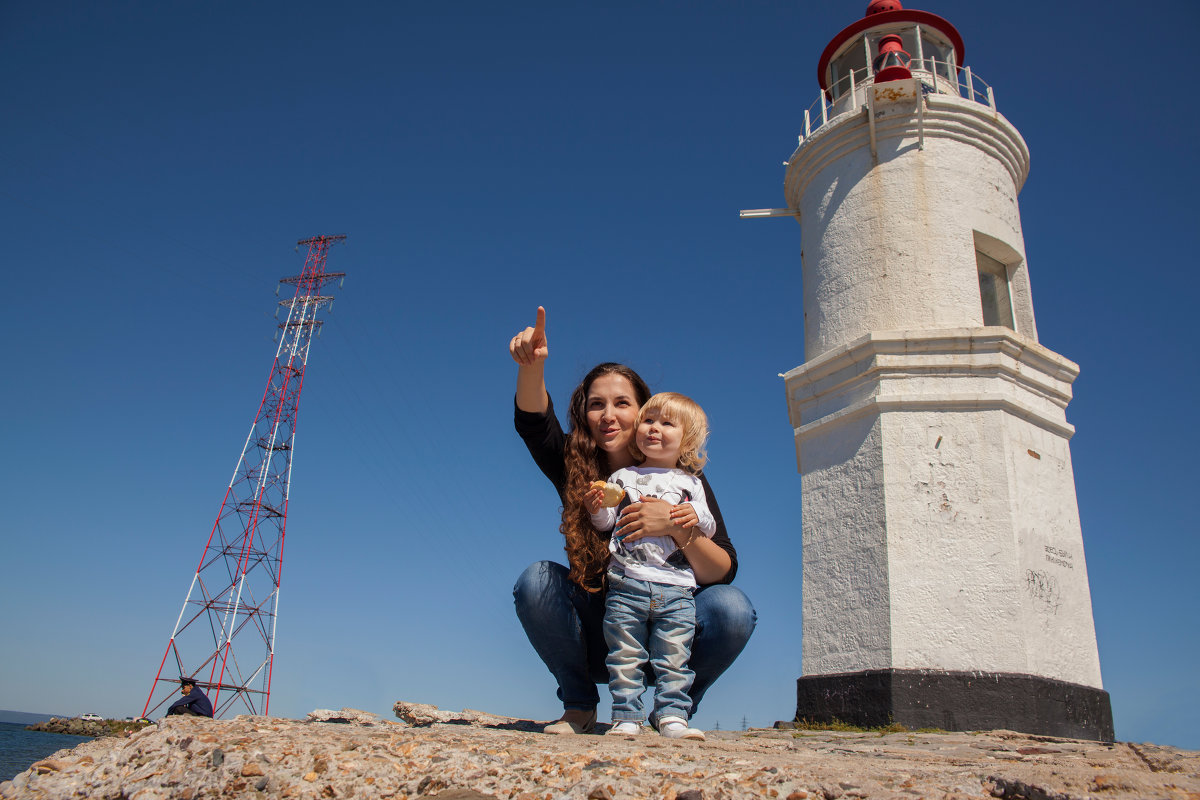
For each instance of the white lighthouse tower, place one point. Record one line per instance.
(944, 577)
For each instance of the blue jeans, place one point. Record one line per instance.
(648, 622)
(565, 626)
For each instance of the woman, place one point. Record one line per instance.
(562, 609)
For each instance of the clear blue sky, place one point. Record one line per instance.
(160, 160)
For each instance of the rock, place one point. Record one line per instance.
(473, 755)
(346, 715)
(47, 765)
(419, 714)
(430, 784)
(424, 714)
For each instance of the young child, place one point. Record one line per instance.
(649, 611)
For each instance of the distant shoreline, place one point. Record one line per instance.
(26, 717)
(83, 727)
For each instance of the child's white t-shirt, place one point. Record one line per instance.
(655, 558)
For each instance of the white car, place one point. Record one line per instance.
(91, 717)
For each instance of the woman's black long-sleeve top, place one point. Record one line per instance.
(546, 441)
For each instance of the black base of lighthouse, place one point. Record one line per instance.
(957, 701)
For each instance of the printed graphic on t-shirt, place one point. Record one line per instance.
(653, 551)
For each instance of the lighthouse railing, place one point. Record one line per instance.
(850, 92)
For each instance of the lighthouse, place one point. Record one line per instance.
(944, 580)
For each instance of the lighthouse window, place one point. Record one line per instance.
(936, 54)
(993, 291)
(853, 60)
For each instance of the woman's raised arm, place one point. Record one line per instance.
(530, 349)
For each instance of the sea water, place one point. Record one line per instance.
(19, 748)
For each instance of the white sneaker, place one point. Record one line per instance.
(677, 728)
(624, 728)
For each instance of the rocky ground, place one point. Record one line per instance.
(469, 755)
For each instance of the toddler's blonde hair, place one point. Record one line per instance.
(686, 413)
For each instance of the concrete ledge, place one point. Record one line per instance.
(957, 701)
(946, 117)
(958, 369)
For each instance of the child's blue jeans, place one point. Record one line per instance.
(648, 622)
(565, 626)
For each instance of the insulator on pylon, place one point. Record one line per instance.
(225, 635)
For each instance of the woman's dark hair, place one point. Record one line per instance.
(587, 552)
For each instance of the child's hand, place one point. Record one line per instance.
(594, 499)
(684, 515)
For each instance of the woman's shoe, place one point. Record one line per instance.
(573, 721)
(624, 728)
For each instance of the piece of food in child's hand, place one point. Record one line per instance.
(613, 494)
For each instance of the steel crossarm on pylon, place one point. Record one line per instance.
(225, 633)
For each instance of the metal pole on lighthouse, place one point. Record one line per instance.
(944, 576)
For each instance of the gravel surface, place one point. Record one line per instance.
(472, 755)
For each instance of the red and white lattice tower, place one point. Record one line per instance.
(225, 634)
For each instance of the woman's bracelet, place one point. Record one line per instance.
(691, 539)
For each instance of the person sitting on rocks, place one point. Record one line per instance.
(194, 702)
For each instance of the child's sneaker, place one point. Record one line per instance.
(624, 728)
(677, 728)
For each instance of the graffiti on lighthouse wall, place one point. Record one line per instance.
(1042, 585)
(1058, 556)
(1043, 589)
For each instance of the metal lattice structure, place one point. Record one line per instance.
(225, 634)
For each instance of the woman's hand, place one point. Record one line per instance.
(650, 517)
(529, 347)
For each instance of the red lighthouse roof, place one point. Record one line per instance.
(882, 13)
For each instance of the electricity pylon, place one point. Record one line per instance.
(224, 637)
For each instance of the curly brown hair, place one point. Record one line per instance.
(587, 551)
